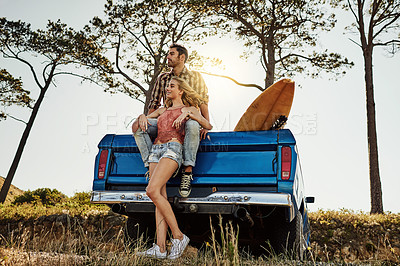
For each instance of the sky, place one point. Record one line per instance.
(328, 117)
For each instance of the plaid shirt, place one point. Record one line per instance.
(193, 78)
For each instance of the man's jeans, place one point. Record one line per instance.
(190, 145)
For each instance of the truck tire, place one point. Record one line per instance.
(289, 238)
(138, 231)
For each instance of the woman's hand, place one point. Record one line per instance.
(184, 116)
(143, 122)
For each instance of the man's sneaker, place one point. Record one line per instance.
(178, 247)
(186, 184)
(153, 252)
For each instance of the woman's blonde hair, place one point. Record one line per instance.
(189, 97)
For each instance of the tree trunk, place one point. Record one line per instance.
(375, 180)
(11, 172)
(270, 61)
(148, 93)
(269, 78)
(147, 101)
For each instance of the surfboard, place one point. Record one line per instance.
(270, 106)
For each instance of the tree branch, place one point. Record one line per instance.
(25, 62)
(299, 56)
(50, 78)
(123, 73)
(375, 8)
(44, 70)
(238, 83)
(387, 43)
(148, 47)
(386, 14)
(134, 35)
(244, 22)
(352, 11)
(355, 43)
(387, 25)
(79, 76)
(17, 119)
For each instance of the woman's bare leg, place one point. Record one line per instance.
(161, 224)
(160, 176)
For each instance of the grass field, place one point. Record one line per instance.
(74, 232)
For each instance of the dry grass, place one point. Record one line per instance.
(347, 236)
(12, 193)
(88, 236)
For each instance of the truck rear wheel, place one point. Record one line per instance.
(289, 238)
(139, 231)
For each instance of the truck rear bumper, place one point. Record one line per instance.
(230, 198)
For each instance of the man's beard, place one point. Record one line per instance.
(171, 64)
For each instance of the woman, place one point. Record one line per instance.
(166, 158)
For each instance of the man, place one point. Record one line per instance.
(176, 59)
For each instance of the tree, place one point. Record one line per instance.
(137, 35)
(12, 93)
(378, 24)
(283, 33)
(47, 54)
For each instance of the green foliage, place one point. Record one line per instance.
(284, 33)
(82, 198)
(28, 211)
(57, 46)
(52, 197)
(136, 35)
(45, 201)
(12, 93)
(48, 54)
(381, 18)
(45, 196)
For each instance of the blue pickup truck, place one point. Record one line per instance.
(251, 178)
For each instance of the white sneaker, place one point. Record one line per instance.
(153, 252)
(178, 247)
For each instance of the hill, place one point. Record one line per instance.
(12, 193)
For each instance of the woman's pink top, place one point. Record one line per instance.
(165, 131)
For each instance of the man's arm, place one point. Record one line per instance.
(203, 91)
(151, 110)
(204, 111)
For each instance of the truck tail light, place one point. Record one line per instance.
(286, 162)
(102, 164)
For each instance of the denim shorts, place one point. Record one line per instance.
(171, 150)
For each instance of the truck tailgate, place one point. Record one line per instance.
(225, 158)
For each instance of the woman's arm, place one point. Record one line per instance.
(192, 113)
(143, 122)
